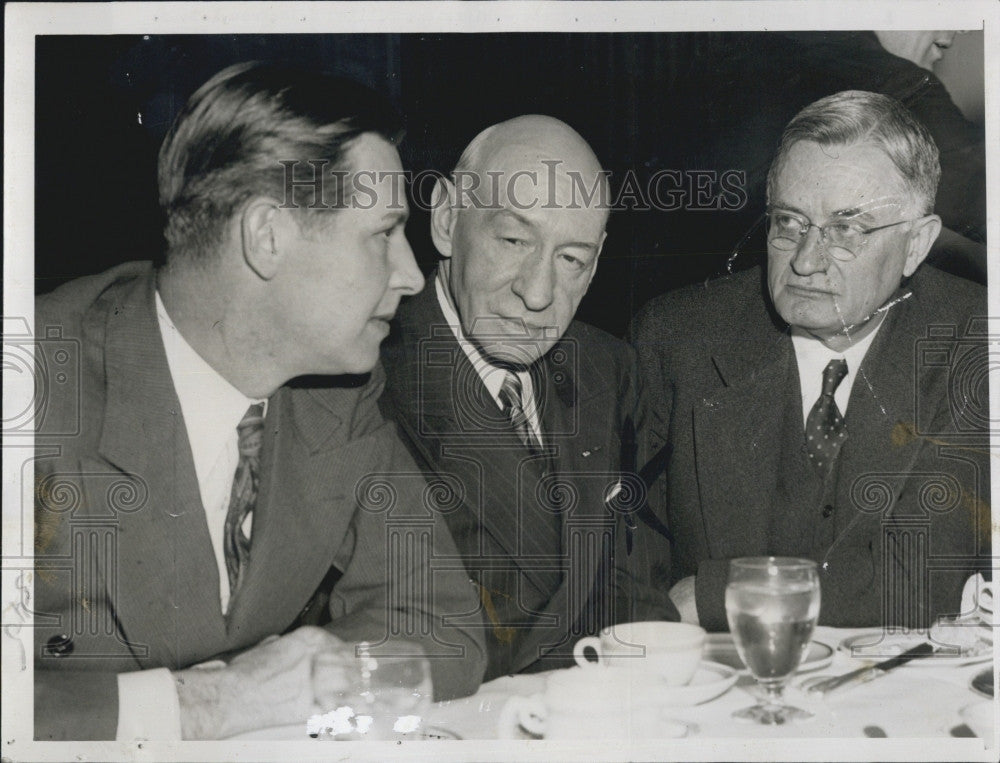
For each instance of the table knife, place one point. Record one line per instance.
(863, 675)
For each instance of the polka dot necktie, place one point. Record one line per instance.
(826, 431)
(243, 497)
(510, 396)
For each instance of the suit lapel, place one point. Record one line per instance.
(168, 604)
(455, 423)
(305, 507)
(735, 431)
(574, 416)
(880, 422)
(457, 428)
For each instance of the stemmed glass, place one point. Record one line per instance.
(772, 604)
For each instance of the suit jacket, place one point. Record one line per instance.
(909, 499)
(586, 389)
(126, 574)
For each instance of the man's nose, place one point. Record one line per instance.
(535, 281)
(406, 276)
(811, 256)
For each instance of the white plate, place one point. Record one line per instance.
(878, 645)
(719, 647)
(711, 680)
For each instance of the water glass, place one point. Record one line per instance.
(380, 695)
(772, 604)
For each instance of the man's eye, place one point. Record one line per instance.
(787, 222)
(510, 241)
(841, 231)
(574, 261)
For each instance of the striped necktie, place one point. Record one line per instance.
(511, 397)
(243, 497)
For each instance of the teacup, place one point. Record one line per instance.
(578, 704)
(669, 650)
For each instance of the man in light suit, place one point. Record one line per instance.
(833, 406)
(523, 417)
(192, 501)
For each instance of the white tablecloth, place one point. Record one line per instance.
(910, 701)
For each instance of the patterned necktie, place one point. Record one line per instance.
(825, 428)
(510, 396)
(250, 431)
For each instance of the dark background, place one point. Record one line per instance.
(645, 102)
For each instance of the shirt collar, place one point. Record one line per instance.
(211, 406)
(808, 346)
(491, 375)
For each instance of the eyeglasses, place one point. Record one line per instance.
(786, 230)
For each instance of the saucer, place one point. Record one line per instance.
(711, 680)
(719, 648)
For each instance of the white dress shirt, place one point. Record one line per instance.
(812, 356)
(212, 408)
(491, 375)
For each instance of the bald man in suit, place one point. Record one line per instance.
(528, 417)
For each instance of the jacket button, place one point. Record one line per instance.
(827, 511)
(59, 646)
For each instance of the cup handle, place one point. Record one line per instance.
(526, 713)
(580, 647)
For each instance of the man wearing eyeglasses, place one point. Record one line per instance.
(834, 405)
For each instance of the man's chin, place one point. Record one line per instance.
(806, 317)
(357, 363)
(519, 353)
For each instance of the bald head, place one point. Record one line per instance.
(531, 159)
(532, 137)
(521, 225)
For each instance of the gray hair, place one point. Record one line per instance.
(857, 116)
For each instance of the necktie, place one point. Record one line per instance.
(539, 529)
(825, 428)
(510, 395)
(243, 497)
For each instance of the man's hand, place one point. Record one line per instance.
(268, 685)
(683, 596)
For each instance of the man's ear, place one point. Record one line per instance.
(443, 215)
(260, 246)
(922, 238)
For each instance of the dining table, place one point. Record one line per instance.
(920, 700)
(917, 699)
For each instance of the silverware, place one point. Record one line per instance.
(863, 675)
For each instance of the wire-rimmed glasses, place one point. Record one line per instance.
(786, 231)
